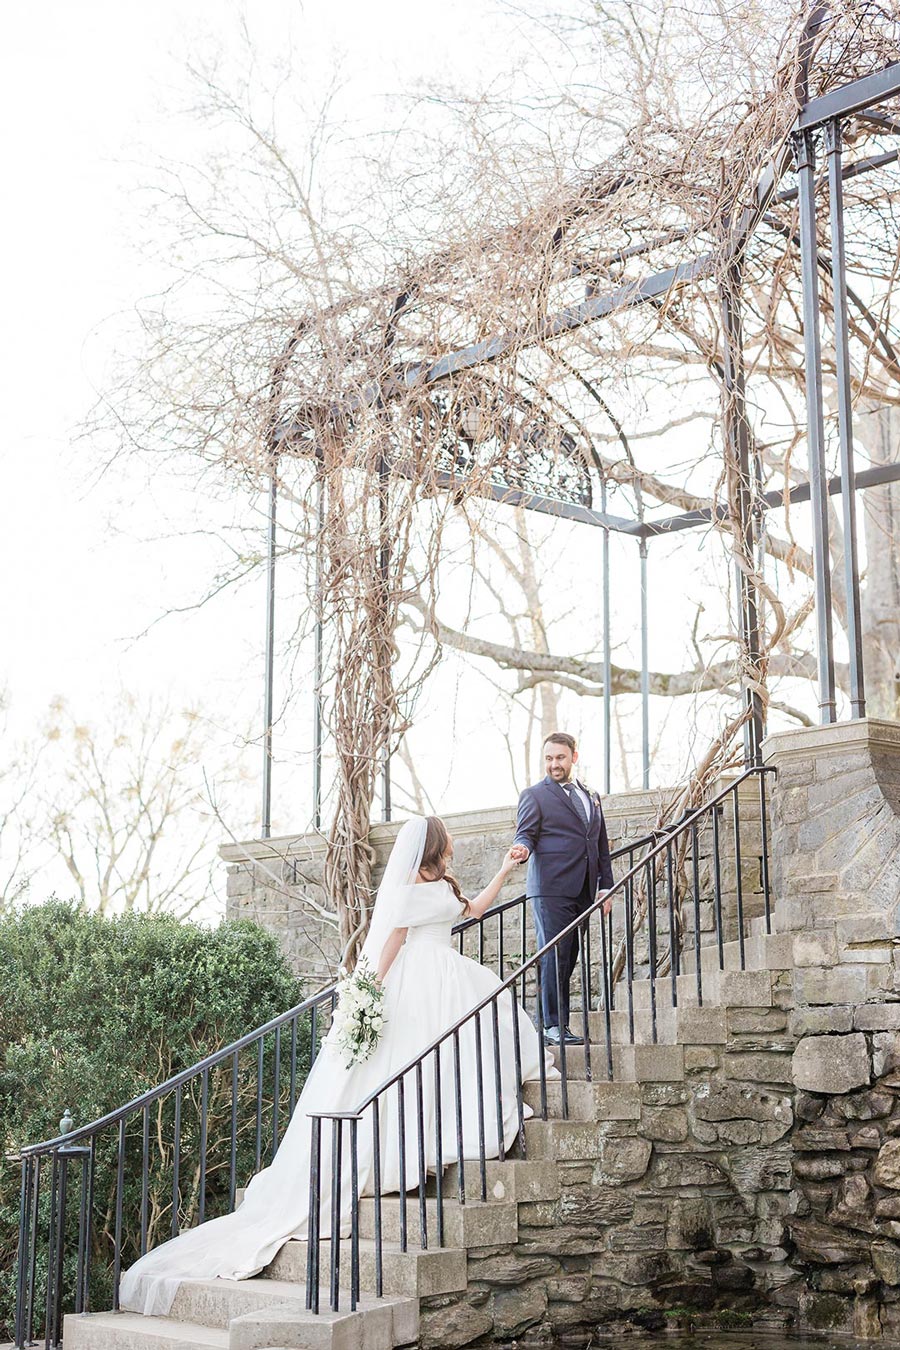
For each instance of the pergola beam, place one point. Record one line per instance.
(800, 492)
(851, 98)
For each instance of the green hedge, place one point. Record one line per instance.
(93, 1011)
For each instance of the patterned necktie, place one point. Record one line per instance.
(575, 797)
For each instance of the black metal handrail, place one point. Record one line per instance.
(659, 848)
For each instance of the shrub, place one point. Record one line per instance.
(93, 1011)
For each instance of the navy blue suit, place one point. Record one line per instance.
(568, 863)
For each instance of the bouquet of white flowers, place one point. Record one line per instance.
(358, 1017)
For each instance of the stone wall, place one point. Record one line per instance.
(673, 1213)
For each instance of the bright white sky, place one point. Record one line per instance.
(93, 96)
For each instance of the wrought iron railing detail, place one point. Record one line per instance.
(692, 865)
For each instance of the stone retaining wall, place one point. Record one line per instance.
(677, 1211)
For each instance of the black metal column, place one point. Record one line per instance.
(845, 416)
(737, 432)
(645, 669)
(318, 657)
(268, 712)
(607, 657)
(805, 156)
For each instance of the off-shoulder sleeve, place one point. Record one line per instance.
(432, 903)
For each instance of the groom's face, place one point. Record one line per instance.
(559, 761)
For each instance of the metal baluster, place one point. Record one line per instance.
(438, 1147)
(32, 1274)
(260, 1057)
(60, 1250)
(314, 1223)
(585, 1006)
(460, 1151)
(609, 935)
(500, 944)
(337, 1140)
(542, 1065)
(176, 1160)
(376, 1162)
(517, 1060)
(523, 922)
(276, 1090)
(698, 955)
(51, 1257)
(479, 1084)
(584, 939)
(401, 1142)
(651, 939)
(420, 1153)
(629, 945)
(717, 885)
(293, 1087)
(22, 1255)
(481, 942)
(605, 957)
(563, 1065)
(673, 936)
(764, 829)
(232, 1161)
(313, 1034)
(354, 1214)
(204, 1134)
(82, 1225)
(498, 1084)
(89, 1224)
(145, 1174)
(120, 1186)
(737, 873)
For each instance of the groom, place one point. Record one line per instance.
(561, 831)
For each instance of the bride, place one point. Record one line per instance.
(428, 987)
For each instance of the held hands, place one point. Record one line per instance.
(516, 855)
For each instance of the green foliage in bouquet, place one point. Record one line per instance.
(93, 1011)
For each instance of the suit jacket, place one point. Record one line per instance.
(562, 848)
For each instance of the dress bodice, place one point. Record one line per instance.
(431, 912)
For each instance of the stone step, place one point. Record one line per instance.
(214, 1303)
(620, 1026)
(131, 1331)
(515, 1180)
(573, 1140)
(589, 1101)
(377, 1324)
(754, 956)
(415, 1273)
(686, 990)
(473, 1224)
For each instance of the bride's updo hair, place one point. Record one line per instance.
(434, 862)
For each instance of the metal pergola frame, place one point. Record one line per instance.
(819, 118)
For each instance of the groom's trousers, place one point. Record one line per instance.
(553, 913)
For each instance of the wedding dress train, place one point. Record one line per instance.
(429, 987)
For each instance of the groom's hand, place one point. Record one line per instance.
(607, 901)
(519, 853)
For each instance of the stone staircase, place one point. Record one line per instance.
(270, 1311)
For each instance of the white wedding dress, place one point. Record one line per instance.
(429, 987)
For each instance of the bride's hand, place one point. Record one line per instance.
(509, 863)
